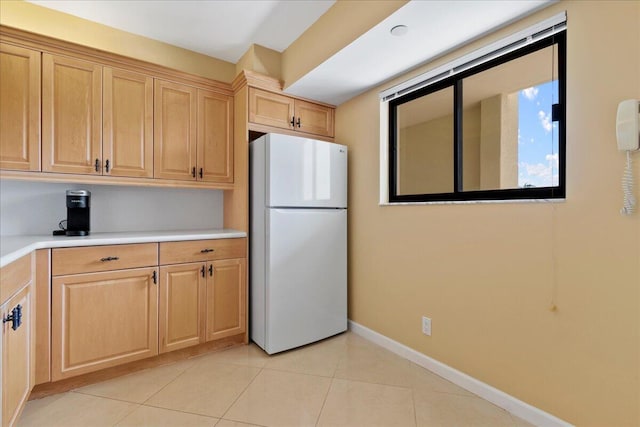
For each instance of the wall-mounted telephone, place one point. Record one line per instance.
(628, 136)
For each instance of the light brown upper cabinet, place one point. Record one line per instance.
(193, 134)
(215, 133)
(71, 115)
(19, 108)
(281, 111)
(175, 131)
(127, 129)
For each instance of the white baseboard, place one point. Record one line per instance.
(499, 398)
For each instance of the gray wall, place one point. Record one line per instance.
(36, 208)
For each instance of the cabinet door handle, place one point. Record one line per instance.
(109, 258)
(211, 270)
(97, 165)
(202, 271)
(154, 276)
(193, 172)
(298, 123)
(207, 250)
(201, 172)
(293, 121)
(15, 317)
(106, 166)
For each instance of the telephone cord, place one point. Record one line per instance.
(629, 200)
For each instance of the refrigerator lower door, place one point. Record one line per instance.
(306, 295)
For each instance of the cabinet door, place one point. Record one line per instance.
(127, 124)
(314, 118)
(16, 357)
(215, 137)
(71, 115)
(270, 109)
(103, 319)
(181, 304)
(19, 108)
(174, 131)
(226, 298)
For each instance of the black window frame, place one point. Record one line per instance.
(455, 81)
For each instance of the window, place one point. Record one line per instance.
(491, 128)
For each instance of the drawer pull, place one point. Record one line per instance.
(204, 251)
(110, 258)
(15, 317)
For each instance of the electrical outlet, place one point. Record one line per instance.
(426, 325)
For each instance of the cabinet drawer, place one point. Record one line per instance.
(14, 276)
(202, 250)
(103, 258)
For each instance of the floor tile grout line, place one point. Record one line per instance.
(324, 401)
(242, 392)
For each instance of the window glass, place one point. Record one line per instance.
(509, 138)
(494, 131)
(425, 144)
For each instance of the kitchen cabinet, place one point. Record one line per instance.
(127, 126)
(71, 115)
(226, 295)
(193, 134)
(182, 288)
(19, 108)
(17, 342)
(209, 278)
(175, 131)
(284, 112)
(215, 137)
(103, 316)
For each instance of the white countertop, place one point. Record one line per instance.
(14, 247)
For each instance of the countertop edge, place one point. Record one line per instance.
(100, 239)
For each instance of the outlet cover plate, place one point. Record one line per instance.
(426, 325)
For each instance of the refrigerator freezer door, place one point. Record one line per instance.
(306, 295)
(305, 172)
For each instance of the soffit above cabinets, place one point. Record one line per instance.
(434, 28)
(223, 29)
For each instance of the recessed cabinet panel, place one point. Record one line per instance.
(181, 302)
(128, 124)
(175, 131)
(16, 356)
(226, 299)
(215, 133)
(71, 115)
(19, 108)
(103, 319)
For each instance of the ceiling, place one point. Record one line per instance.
(225, 29)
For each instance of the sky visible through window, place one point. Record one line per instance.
(537, 136)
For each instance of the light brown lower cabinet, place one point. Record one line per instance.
(103, 319)
(226, 296)
(17, 344)
(182, 289)
(201, 302)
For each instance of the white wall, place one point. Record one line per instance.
(36, 208)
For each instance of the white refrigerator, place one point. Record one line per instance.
(298, 240)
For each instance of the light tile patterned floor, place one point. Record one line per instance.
(343, 381)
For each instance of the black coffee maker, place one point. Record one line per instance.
(78, 214)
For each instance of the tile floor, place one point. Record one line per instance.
(343, 381)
